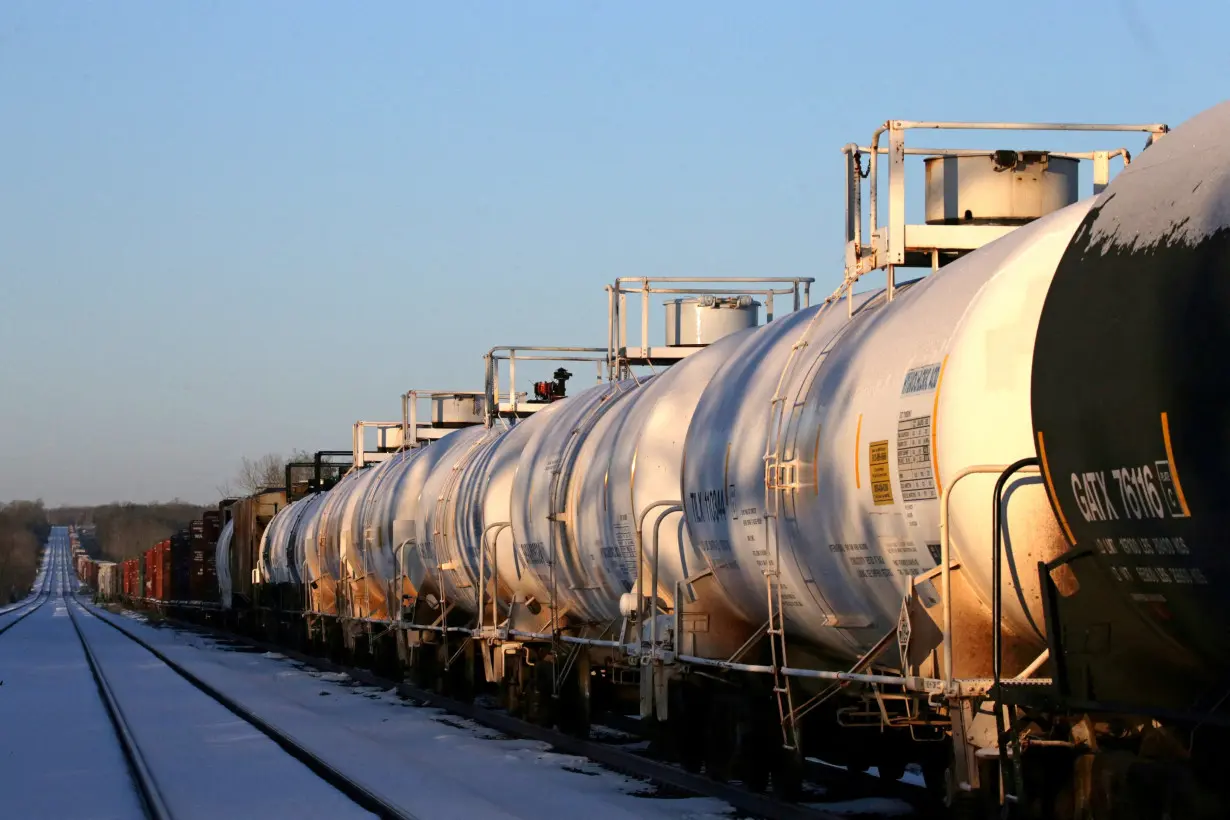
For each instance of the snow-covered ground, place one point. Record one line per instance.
(206, 761)
(432, 764)
(58, 753)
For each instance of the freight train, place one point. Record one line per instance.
(970, 520)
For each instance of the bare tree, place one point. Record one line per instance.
(267, 471)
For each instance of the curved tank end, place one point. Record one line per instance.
(1132, 424)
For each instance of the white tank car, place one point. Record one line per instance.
(322, 561)
(471, 498)
(861, 462)
(723, 480)
(343, 530)
(401, 514)
(276, 548)
(222, 565)
(482, 505)
(541, 513)
(305, 535)
(629, 469)
(372, 556)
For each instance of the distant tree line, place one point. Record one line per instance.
(116, 531)
(24, 528)
(126, 530)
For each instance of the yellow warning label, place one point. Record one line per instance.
(881, 481)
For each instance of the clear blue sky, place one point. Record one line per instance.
(233, 228)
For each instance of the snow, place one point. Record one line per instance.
(59, 757)
(194, 746)
(913, 774)
(1173, 193)
(878, 806)
(211, 764)
(432, 764)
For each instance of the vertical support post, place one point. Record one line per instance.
(512, 379)
(1101, 171)
(644, 317)
(413, 440)
(622, 308)
(610, 332)
(896, 195)
(356, 443)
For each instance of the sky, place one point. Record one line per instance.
(228, 229)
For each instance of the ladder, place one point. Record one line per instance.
(777, 644)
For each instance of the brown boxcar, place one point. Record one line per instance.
(250, 516)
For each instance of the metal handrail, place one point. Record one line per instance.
(946, 552)
(857, 261)
(510, 353)
(617, 331)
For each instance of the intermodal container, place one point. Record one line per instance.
(181, 566)
(160, 560)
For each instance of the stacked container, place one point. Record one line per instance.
(108, 581)
(181, 565)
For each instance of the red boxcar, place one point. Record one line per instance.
(159, 570)
(132, 578)
(147, 558)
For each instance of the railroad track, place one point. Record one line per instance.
(44, 594)
(621, 760)
(152, 792)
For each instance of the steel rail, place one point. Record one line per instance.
(361, 795)
(151, 797)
